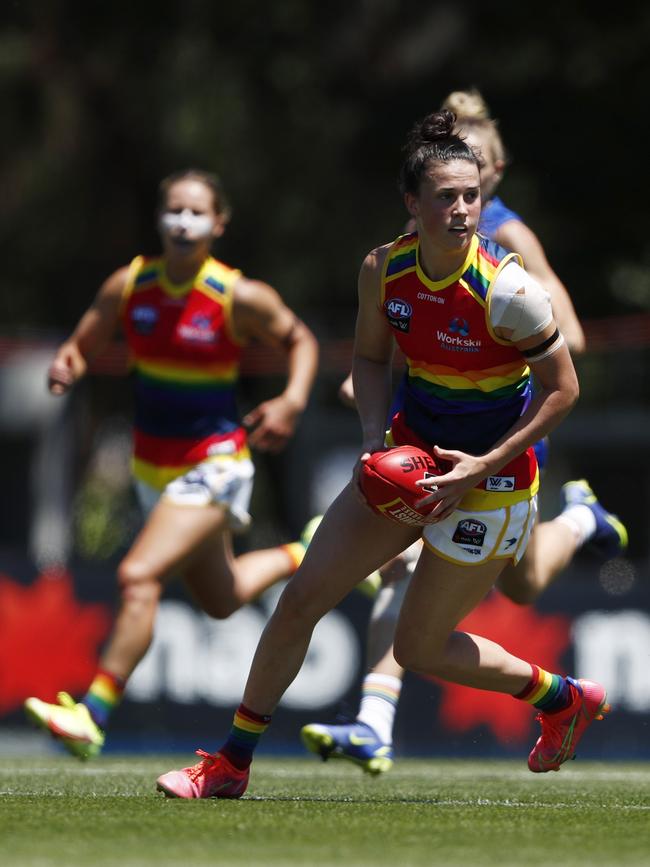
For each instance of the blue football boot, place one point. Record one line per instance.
(610, 539)
(356, 742)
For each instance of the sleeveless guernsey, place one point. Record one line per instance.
(464, 387)
(185, 363)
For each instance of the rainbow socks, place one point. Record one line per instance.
(379, 698)
(247, 728)
(547, 692)
(103, 696)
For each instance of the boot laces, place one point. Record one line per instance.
(200, 768)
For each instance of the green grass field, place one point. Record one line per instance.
(55, 812)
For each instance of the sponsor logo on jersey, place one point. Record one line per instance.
(144, 318)
(500, 483)
(430, 296)
(470, 531)
(458, 325)
(199, 330)
(456, 337)
(399, 313)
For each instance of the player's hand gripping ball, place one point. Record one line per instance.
(388, 480)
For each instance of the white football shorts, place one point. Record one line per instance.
(472, 538)
(226, 482)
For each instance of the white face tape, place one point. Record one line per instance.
(188, 225)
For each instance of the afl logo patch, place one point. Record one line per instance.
(470, 531)
(399, 313)
(144, 319)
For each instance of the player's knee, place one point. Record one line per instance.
(221, 607)
(137, 582)
(407, 655)
(427, 657)
(297, 609)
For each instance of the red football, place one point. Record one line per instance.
(388, 483)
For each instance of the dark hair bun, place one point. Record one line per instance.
(432, 128)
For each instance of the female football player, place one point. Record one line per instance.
(367, 741)
(186, 318)
(472, 326)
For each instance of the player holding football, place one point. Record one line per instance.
(472, 325)
(367, 741)
(186, 318)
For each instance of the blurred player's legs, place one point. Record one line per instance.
(69, 722)
(582, 522)
(356, 742)
(194, 542)
(600, 529)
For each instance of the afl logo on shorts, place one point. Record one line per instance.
(470, 531)
(144, 319)
(399, 313)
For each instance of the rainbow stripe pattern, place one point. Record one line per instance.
(456, 365)
(103, 696)
(403, 257)
(546, 691)
(381, 688)
(472, 390)
(247, 728)
(185, 366)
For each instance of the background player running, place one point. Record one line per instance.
(186, 318)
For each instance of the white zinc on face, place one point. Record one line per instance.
(186, 224)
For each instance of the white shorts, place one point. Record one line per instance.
(473, 538)
(226, 482)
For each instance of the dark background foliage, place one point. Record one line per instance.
(302, 108)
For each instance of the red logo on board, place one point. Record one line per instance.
(524, 632)
(48, 639)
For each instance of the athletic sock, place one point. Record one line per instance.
(547, 692)
(247, 729)
(379, 698)
(581, 520)
(295, 550)
(103, 696)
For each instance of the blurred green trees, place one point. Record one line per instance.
(303, 107)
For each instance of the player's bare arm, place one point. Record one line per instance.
(260, 314)
(515, 235)
(556, 394)
(91, 336)
(373, 353)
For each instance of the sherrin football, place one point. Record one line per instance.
(388, 480)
